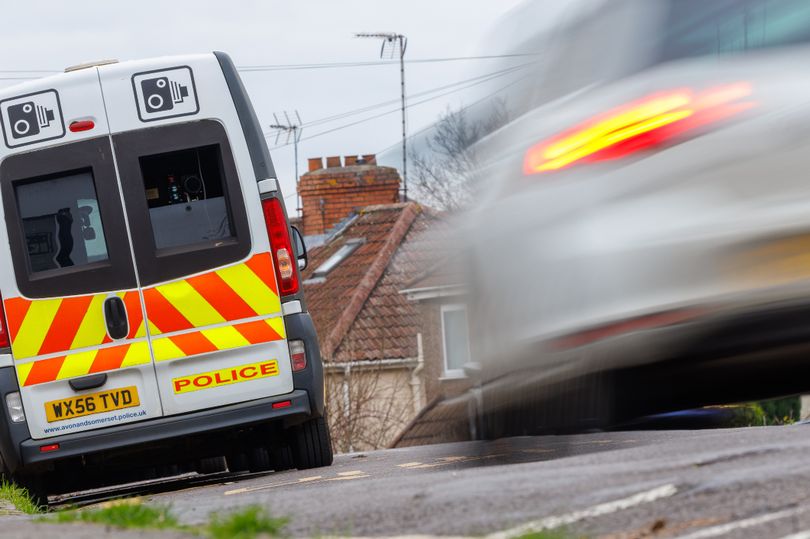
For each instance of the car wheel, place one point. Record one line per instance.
(474, 420)
(312, 444)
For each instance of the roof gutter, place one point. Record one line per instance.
(432, 292)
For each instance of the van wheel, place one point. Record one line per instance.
(281, 458)
(168, 470)
(312, 445)
(35, 485)
(4, 475)
(259, 460)
(212, 465)
(238, 462)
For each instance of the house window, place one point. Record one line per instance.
(455, 338)
(339, 256)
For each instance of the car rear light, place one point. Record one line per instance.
(280, 243)
(298, 355)
(15, 407)
(648, 122)
(282, 404)
(5, 340)
(47, 448)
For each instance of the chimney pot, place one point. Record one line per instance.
(333, 162)
(370, 159)
(315, 163)
(351, 160)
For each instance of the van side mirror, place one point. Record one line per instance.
(300, 248)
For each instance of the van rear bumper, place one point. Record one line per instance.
(156, 430)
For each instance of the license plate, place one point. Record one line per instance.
(94, 403)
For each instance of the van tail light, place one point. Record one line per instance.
(648, 122)
(298, 355)
(283, 257)
(5, 340)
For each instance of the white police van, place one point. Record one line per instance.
(149, 280)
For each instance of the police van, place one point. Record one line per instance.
(149, 279)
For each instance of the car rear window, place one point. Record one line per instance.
(713, 27)
(61, 221)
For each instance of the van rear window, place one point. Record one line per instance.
(185, 195)
(61, 221)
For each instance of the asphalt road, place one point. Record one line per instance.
(705, 483)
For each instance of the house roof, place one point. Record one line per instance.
(357, 308)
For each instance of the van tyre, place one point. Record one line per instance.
(212, 465)
(238, 462)
(312, 445)
(281, 458)
(36, 487)
(259, 460)
(4, 475)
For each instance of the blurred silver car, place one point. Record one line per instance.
(643, 242)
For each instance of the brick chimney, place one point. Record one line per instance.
(329, 195)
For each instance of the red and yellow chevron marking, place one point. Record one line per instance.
(50, 326)
(218, 338)
(237, 292)
(81, 363)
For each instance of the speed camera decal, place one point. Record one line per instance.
(165, 93)
(31, 118)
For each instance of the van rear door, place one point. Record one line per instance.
(67, 276)
(201, 248)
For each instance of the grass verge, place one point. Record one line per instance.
(122, 515)
(246, 523)
(19, 498)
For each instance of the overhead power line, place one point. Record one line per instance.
(462, 109)
(477, 81)
(369, 108)
(295, 67)
(338, 65)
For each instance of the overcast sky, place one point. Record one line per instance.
(40, 35)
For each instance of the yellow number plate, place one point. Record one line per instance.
(94, 403)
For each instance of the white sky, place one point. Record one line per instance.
(50, 35)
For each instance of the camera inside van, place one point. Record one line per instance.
(185, 194)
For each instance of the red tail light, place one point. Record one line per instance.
(282, 404)
(645, 123)
(5, 340)
(283, 254)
